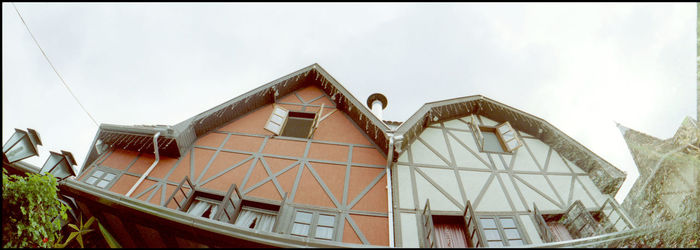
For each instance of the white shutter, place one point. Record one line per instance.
(277, 119)
(474, 125)
(507, 134)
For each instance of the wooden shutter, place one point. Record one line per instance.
(275, 123)
(474, 125)
(545, 232)
(428, 228)
(182, 194)
(230, 206)
(474, 235)
(314, 124)
(580, 222)
(283, 215)
(508, 137)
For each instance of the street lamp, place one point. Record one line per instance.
(59, 165)
(21, 145)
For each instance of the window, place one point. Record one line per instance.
(209, 205)
(577, 222)
(319, 224)
(257, 216)
(501, 231)
(498, 139)
(291, 123)
(204, 207)
(450, 231)
(100, 178)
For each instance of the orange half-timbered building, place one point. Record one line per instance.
(295, 162)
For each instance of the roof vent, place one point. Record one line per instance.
(377, 102)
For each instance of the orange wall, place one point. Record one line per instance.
(280, 158)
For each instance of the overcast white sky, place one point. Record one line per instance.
(578, 66)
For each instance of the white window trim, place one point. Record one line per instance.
(100, 178)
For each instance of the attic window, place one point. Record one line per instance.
(291, 123)
(498, 139)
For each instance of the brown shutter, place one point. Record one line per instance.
(545, 232)
(475, 239)
(182, 194)
(428, 227)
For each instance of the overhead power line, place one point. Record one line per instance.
(54, 68)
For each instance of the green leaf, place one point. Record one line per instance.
(89, 222)
(70, 237)
(80, 240)
(108, 237)
(74, 227)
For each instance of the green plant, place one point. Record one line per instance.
(82, 230)
(78, 234)
(31, 210)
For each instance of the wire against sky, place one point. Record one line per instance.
(54, 68)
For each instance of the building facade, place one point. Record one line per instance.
(473, 172)
(299, 162)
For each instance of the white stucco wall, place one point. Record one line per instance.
(449, 169)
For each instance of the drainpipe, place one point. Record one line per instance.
(155, 149)
(389, 193)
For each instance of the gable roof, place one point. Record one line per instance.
(140, 137)
(606, 177)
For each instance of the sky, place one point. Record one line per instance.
(580, 66)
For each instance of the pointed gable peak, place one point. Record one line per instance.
(622, 128)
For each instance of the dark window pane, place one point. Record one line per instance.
(297, 127)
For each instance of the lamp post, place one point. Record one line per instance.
(59, 165)
(21, 145)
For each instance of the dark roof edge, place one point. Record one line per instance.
(185, 134)
(242, 96)
(351, 97)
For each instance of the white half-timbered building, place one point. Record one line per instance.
(472, 172)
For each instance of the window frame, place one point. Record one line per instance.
(597, 221)
(473, 233)
(105, 171)
(260, 207)
(478, 130)
(314, 224)
(501, 229)
(271, 120)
